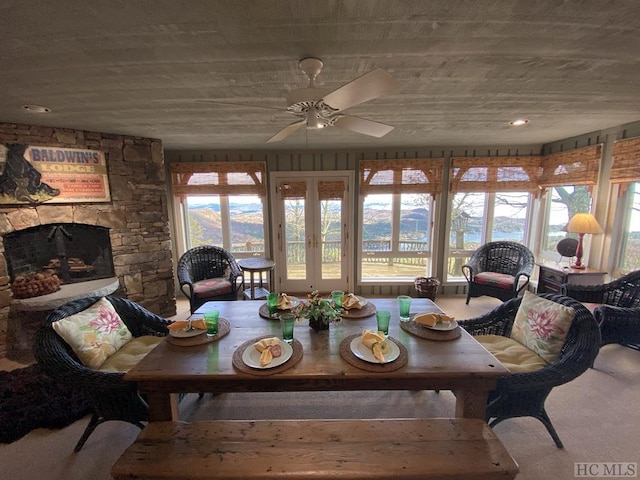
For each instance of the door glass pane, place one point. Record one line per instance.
(295, 234)
(246, 219)
(204, 224)
(331, 235)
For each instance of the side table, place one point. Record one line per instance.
(552, 276)
(260, 266)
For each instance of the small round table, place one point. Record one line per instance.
(252, 266)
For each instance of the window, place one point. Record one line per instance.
(396, 211)
(562, 203)
(568, 178)
(625, 171)
(492, 198)
(221, 204)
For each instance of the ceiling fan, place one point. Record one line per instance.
(320, 108)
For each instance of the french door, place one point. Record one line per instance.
(312, 230)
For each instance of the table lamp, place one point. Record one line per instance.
(582, 223)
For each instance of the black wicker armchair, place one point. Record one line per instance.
(524, 394)
(498, 269)
(112, 397)
(208, 273)
(618, 313)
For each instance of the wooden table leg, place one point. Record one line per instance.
(163, 407)
(471, 403)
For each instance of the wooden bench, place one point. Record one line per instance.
(457, 448)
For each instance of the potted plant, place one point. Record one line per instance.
(320, 312)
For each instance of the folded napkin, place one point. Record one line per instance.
(182, 324)
(431, 319)
(268, 348)
(284, 302)
(376, 342)
(350, 301)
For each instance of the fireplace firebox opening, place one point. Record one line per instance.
(73, 252)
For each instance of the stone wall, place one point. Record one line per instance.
(137, 215)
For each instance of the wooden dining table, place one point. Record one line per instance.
(461, 365)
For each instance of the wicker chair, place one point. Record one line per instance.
(498, 269)
(524, 394)
(111, 396)
(208, 273)
(618, 313)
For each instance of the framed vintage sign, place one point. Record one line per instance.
(31, 174)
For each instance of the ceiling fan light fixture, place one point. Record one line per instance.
(519, 122)
(313, 120)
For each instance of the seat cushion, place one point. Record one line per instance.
(499, 280)
(130, 354)
(212, 287)
(95, 333)
(542, 325)
(512, 354)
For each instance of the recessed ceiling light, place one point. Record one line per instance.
(36, 108)
(519, 122)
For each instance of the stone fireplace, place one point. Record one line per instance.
(134, 225)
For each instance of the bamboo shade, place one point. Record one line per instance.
(626, 161)
(401, 176)
(494, 174)
(330, 190)
(575, 167)
(218, 178)
(293, 190)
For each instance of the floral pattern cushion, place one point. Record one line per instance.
(95, 333)
(542, 325)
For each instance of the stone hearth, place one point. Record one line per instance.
(137, 218)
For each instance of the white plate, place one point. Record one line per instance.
(442, 326)
(190, 333)
(363, 301)
(364, 353)
(295, 301)
(251, 356)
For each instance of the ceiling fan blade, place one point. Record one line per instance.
(362, 125)
(286, 131)
(367, 87)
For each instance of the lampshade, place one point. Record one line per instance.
(583, 223)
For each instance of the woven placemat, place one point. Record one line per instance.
(224, 327)
(348, 356)
(296, 356)
(357, 313)
(424, 332)
(264, 312)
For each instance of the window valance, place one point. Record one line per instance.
(293, 190)
(218, 178)
(626, 161)
(494, 174)
(574, 167)
(330, 190)
(401, 176)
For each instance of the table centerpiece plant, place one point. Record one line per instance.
(320, 312)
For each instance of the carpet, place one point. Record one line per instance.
(29, 399)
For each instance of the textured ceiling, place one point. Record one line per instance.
(465, 68)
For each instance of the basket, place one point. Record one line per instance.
(427, 287)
